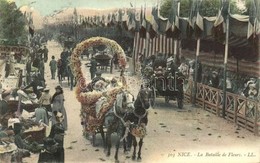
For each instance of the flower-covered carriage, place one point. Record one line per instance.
(91, 118)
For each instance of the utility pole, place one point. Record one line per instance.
(225, 64)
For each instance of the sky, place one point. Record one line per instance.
(46, 7)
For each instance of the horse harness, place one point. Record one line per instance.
(126, 124)
(140, 117)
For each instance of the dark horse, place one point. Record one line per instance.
(114, 120)
(64, 70)
(139, 120)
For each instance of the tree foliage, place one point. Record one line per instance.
(12, 23)
(207, 7)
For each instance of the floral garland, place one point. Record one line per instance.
(90, 119)
(89, 97)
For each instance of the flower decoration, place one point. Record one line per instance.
(90, 119)
(76, 64)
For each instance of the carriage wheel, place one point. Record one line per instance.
(93, 139)
(167, 99)
(180, 103)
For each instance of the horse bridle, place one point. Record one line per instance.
(114, 109)
(140, 117)
(127, 125)
(140, 99)
(130, 94)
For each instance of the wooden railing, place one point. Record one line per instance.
(242, 111)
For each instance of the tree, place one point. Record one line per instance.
(12, 23)
(207, 8)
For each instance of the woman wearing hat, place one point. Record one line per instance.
(58, 105)
(57, 134)
(53, 144)
(45, 99)
(48, 154)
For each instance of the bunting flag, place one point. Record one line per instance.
(251, 33)
(113, 21)
(103, 21)
(192, 19)
(172, 26)
(30, 24)
(131, 23)
(257, 25)
(109, 18)
(199, 26)
(75, 16)
(218, 29)
(176, 30)
(31, 31)
(154, 22)
(124, 20)
(84, 23)
(143, 23)
(152, 32)
(170, 23)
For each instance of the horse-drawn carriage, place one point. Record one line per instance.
(103, 60)
(118, 112)
(94, 111)
(165, 81)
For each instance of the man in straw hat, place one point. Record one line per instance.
(45, 99)
(45, 106)
(250, 86)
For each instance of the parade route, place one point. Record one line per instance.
(174, 135)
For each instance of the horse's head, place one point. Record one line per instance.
(144, 96)
(127, 101)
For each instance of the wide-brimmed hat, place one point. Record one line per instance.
(252, 79)
(58, 87)
(46, 89)
(215, 72)
(40, 88)
(252, 85)
(59, 115)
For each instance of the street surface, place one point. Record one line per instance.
(174, 135)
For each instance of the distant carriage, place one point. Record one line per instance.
(104, 60)
(64, 71)
(166, 82)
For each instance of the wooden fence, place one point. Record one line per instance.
(242, 111)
